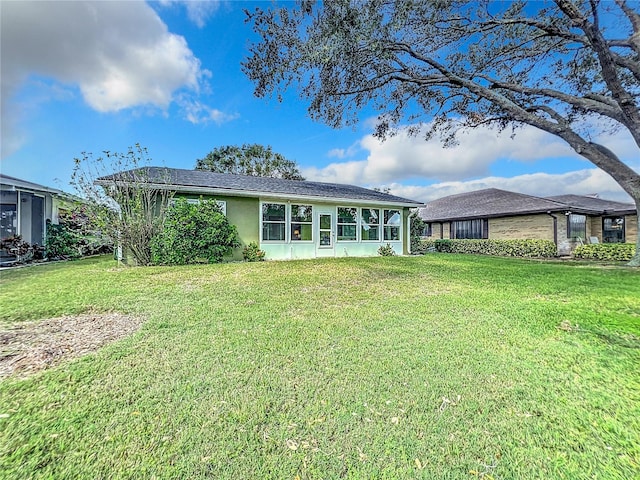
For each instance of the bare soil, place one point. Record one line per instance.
(28, 347)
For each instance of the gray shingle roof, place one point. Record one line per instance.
(493, 202)
(490, 202)
(221, 182)
(594, 203)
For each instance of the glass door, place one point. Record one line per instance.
(326, 231)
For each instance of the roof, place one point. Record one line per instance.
(492, 202)
(595, 203)
(205, 182)
(17, 183)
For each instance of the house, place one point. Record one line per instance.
(25, 208)
(567, 220)
(292, 219)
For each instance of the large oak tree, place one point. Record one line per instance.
(568, 67)
(255, 160)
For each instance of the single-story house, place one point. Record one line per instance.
(567, 220)
(292, 219)
(25, 208)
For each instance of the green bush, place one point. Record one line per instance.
(193, 233)
(606, 251)
(386, 250)
(502, 248)
(252, 253)
(61, 242)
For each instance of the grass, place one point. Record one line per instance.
(442, 366)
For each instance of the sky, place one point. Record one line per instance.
(106, 75)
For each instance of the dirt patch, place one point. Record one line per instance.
(28, 347)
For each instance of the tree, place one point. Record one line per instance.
(568, 67)
(121, 201)
(255, 160)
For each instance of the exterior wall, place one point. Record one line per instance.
(538, 227)
(242, 212)
(246, 215)
(595, 224)
(631, 228)
(446, 230)
(288, 250)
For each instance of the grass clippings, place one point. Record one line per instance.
(28, 347)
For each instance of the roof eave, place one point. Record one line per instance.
(268, 195)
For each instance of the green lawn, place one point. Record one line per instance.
(442, 366)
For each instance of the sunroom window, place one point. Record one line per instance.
(392, 222)
(301, 222)
(273, 222)
(370, 224)
(347, 223)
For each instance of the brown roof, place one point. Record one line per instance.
(493, 202)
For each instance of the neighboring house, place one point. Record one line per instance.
(25, 208)
(295, 219)
(567, 220)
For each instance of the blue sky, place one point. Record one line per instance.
(87, 77)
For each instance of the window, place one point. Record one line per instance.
(301, 222)
(478, 228)
(273, 222)
(392, 222)
(427, 230)
(347, 223)
(613, 229)
(370, 224)
(576, 226)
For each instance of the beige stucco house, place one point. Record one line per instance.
(567, 220)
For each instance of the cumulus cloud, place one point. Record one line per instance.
(579, 182)
(118, 53)
(405, 156)
(198, 11)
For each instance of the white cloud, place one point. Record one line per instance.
(199, 113)
(198, 11)
(579, 182)
(404, 156)
(118, 53)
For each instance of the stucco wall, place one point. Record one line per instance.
(538, 226)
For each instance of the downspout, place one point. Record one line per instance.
(555, 228)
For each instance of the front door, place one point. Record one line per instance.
(325, 235)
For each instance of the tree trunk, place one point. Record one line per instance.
(635, 261)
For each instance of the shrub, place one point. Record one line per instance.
(386, 250)
(252, 253)
(503, 248)
(417, 225)
(61, 242)
(193, 233)
(606, 251)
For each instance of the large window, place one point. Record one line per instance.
(478, 228)
(301, 222)
(392, 223)
(347, 223)
(370, 224)
(273, 222)
(613, 229)
(576, 226)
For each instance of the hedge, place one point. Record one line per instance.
(606, 251)
(503, 248)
